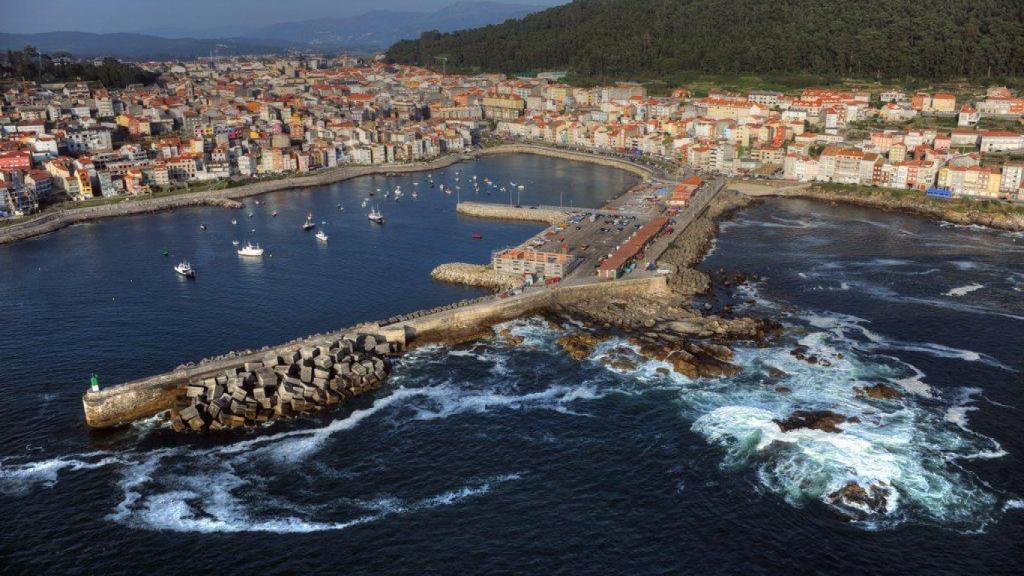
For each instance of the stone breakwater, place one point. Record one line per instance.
(479, 275)
(285, 384)
(551, 216)
(450, 324)
(991, 214)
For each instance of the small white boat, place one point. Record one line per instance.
(234, 222)
(185, 269)
(250, 249)
(234, 242)
(321, 236)
(309, 225)
(364, 204)
(375, 216)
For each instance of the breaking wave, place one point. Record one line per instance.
(913, 445)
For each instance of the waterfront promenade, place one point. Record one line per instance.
(230, 197)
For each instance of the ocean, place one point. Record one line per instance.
(498, 458)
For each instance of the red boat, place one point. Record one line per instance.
(478, 236)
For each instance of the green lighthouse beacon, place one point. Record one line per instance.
(94, 383)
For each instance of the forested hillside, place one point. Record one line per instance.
(934, 39)
(29, 64)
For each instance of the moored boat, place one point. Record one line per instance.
(185, 269)
(250, 249)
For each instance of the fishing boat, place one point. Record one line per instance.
(274, 214)
(364, 204)
(375, 216)
(166, 253)
(309, 225)
(234, 242)
(321, 236)
(234, 222)
(250, 249)
(478, 236)
(202, 226)
(185, 269)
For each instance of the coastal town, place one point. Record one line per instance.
(221, 122)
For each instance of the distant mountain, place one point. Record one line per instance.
(932, 39)
(381, 28)
(368, 32)
(132, 46)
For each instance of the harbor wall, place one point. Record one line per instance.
(505, 212)
(146, 397)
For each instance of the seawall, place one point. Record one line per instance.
(146, 397)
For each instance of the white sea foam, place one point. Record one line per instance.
(22, 477)
(844, 327)
(963, 290)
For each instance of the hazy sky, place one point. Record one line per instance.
(27, 16)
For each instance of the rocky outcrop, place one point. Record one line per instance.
(283, 385)
(691, 359)
(856, 501)
(879, 392)
(823, 420)
(479, 275)
(580, 345)
(510, 338)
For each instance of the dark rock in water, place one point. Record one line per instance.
(510, 338)
(620, 358)
(880, 392)
(823, 420)
(871, 500)
(783, 390)
(580, 345)
(774, 372)
(663, 371)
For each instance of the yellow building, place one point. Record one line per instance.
(971, 180)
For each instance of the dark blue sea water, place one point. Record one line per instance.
(489, 458)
